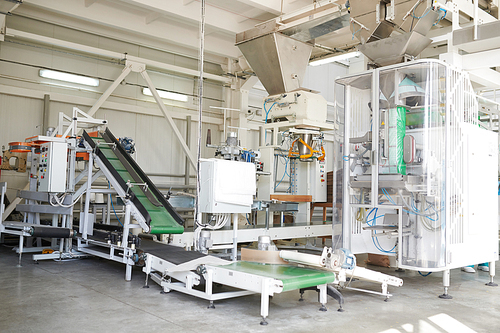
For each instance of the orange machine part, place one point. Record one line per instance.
(84, 155)
(19, 147)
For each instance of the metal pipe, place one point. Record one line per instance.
(45, 115)
(197, 213)
(109, 54)
(188, 143)
(346, 210)
(172, 175)
(261, 136)
(235, 237)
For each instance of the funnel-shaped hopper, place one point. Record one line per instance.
(279, 61)
(392, 50)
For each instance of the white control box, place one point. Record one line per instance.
(226, 186)
(318, 181)
(52, 167)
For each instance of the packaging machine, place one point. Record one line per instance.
(419, 172)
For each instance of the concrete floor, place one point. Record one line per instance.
(91, 295)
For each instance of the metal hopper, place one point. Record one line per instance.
(393, 50)
(279, 54)
(279, 61)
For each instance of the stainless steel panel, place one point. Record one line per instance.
(259, 30)
(392, 50)
(181, 201)
(42, 196)
(43, 209)
(283, 207)
(279, 61)
(424, 25)
(307, 138)
(318, 27)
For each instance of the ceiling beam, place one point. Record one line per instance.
(111, 54)
(150, 18)
(486, 77)
(486, 59)
(270, 6)
(89, 3)
(130, 22)
(216, 17)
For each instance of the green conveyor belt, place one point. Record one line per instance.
(161, 220)
(293, 277)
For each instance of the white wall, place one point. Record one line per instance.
(128, 112)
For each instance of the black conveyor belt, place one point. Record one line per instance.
(174, 254)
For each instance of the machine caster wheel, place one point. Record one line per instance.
(443, 296)
(323, 308)
(263, 322)
(492, 284)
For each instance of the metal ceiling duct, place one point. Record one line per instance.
(279, 61)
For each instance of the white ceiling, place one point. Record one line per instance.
(163, 24)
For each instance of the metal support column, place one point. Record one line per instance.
(126, 71)
(168, 117)
(346, 210)
(188, 143)
(235, 236)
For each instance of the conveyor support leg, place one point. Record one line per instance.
(264, 300)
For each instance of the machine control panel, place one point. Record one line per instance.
(52, 167)
(318, 181)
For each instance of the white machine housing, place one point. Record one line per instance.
(296, 106)
(226, 186)
(432, 203)
(315, 185)
(52, 167)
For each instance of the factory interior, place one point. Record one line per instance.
(249, 166)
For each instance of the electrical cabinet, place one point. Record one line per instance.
(52, 167)
(226, 186)
(318, 181)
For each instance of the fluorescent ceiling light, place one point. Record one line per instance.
(166, 95)
(61, 76)
(340, 57)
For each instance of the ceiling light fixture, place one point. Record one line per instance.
(61, 76)
(166, 95)
(340, 57)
